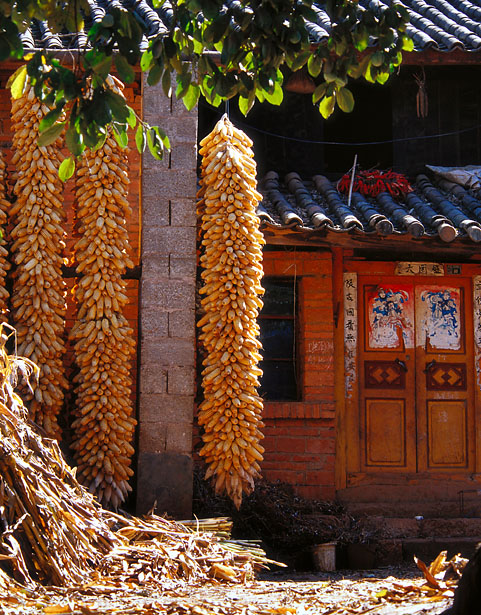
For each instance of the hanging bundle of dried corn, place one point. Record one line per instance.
(104, 344)
(4, 264)
(232, 261)
(38, 300)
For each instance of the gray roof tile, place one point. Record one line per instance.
(434, 209)
(441, 25)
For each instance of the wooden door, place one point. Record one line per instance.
(416, 375)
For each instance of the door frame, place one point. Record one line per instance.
(348, 471)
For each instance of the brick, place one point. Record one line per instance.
(183, 155)
(163, 408)
(156, 268)
(181, 381)
(168, 352)
(318, 378)
(182, 267)
(152, 379)
(182, 324)
(171, 183)
(286, 444)
(168, 295)
(183, 129)
(319, 477)
(165, 437)
(156, 212)
(183, 212)
(168, 240)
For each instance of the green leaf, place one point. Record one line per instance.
(17, 82)
(300, 60)
(146, 60)
(314, 65)
(192, 96)
(66, 168)
(377, 58)
(166, 83)
(155, 74)
(118, 106)
(326, 106)
(51, 134)
(345, 100)
(154, 144)
(126, 72)
(382, 77)
(51, 117)
(276, 97)
(132, 118)
(319, 92)
(246, 104)
(408, 44)
(121, 136)
(140, 140)
(162, 136)
(73, 141)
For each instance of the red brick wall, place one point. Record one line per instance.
(300, 436)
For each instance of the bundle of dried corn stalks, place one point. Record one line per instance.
(53, 532)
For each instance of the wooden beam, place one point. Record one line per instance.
(433, 57)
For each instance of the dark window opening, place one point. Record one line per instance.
(277, 322)
(369, 121)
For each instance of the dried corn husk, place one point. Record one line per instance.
(103, 340)
(39, 291)
(230, 413)
(53, 532)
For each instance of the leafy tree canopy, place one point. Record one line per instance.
(212, 48)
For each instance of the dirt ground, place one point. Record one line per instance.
(397, 591)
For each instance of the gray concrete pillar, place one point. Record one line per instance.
(167, 309)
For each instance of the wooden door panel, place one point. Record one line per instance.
(447, 435)
(385, 433)
(416, 377)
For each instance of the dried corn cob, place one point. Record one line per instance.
(4, 264)
(38, 299)
(104, 345)
(230, 413)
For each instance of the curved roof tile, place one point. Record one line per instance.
(434, 209)
(443, 25)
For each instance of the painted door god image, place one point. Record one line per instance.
(439, 312)
(391, 317)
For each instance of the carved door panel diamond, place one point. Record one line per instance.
(416, 396)
(446, 377)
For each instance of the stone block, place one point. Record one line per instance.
(167, 294)
(157, 267)
(183, 129)
(182, 324)
(183, 213)
(152, 379)
(171, 184)
(155, 209)
(183, 156)
(168, 351)
(181, 381)
(163, 408)
(166, 437)
(154, 323)
(165, 479)
(182, 268)
(168, 240)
